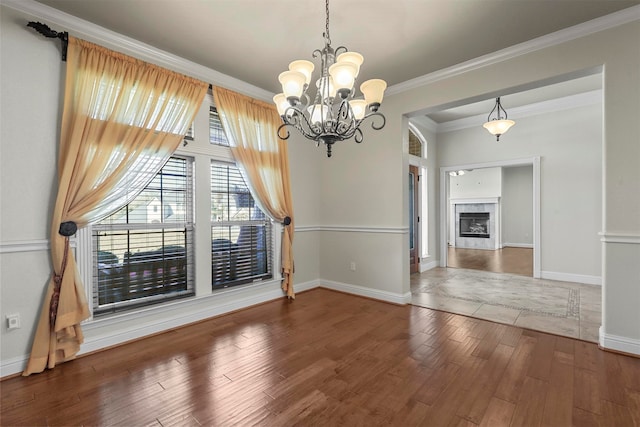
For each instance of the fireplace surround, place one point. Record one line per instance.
(475, 223)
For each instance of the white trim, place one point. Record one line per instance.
(620, 238)
(304, 228)
(569, 277)
(567, 34)
(127, 45)
(362, 291)
(444, 205)
(133, 326)
(12, 366)
(518, 245)
(352, 229)
(423, 141)
(36, 245)
(618, 343)
(550, 106)
(216, 152)
(429, 265)
(477, 200)
(24, 246)
(423, 121)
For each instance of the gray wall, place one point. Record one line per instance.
(617, 173)
(517, 206)
(353, 206)
(31, 82)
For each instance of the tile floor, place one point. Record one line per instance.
(562, 308)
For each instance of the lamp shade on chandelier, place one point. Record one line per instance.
(328, 109)
(498, 124)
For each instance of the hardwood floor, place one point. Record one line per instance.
(335, 359)
(505, 260)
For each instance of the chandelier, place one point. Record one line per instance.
(334, 113)
(498, 125)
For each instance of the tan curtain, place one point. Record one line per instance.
(251, 126)
(122, 120)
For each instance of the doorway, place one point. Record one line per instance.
(414, 219)
(491, 219)
(447, 224)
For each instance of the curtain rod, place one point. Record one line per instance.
(49, 33)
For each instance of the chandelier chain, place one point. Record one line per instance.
(326, 34)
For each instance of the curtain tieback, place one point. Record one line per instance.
(57, 283)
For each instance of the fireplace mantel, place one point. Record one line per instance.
(478, 200)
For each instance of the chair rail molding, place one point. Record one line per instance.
(353, 229)
(631, 238)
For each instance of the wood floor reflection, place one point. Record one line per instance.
(505, 260)
(330, 359)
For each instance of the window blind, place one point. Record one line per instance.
(241, 234)
(143, 254)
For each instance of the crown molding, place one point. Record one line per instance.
(561, 36)
(149, 53)
(100, 35)
(550, 106)
(425, 122)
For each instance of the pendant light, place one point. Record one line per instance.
(498, 125)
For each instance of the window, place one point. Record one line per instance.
(143, 253)
(190, 135)
(415, 145)
(216, 133)
(240, 231)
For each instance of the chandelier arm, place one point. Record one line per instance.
(373, 123)
(340, 49)
(358, 137)
(280, 128)
(299, 121)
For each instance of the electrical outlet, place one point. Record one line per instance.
(13, 321)
(352, 267)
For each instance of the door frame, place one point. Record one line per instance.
(417, 251)
(444, 204)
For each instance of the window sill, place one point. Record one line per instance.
(236, 297)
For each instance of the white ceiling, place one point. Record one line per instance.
(254, 40)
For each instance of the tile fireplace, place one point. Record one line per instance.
(475, 223)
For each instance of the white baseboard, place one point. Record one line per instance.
(13, 366)
(362, 291)
(518, 245)
(116, 330)
(569, 277)
(426, 266)
(618, 343)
